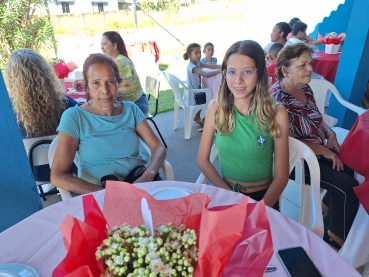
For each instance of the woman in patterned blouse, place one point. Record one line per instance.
(294, 69)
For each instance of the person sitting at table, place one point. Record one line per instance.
(299, 35)
(249, 129)
(292, 22)
(294, 69)
(308, 39)
(130, 88)
(272, 58)
(103, 134)
(279, 34)
(36, 93)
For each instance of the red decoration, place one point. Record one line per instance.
(332, 39)
(62, 69)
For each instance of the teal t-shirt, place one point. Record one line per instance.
(246, 154)
(108, 145)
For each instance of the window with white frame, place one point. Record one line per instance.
(65, 7)
(100, 7)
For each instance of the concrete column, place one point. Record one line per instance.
(353, 71)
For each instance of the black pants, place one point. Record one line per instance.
(258, 195)
(340, 197)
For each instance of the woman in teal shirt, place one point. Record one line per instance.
(103, 134)
(251, 130)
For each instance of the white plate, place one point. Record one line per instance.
(170, 192)
(17, 270)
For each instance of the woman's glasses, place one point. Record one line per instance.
(246, 73)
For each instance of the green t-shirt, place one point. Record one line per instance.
(246, 154)
(130, 88)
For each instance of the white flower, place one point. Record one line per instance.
(135, 230)
(118, 260)
(161, 229)
(143, 241)
(166, 270)
(152, 246)
(156, 265)
(152, 255)
(175, 244)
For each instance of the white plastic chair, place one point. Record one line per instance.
(189, 111)
(320, 89)
(310, 203)
(37, 151)
(166, 170)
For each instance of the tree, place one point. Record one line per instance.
(23, 24)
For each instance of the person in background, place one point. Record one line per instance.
(103, 134)
(279, 34)
(194, 73)
(209, 52)
(251, 130)
(36, 93)
(294, 70)
(299, 35)
(130, 88)
(272, 58)
(292, 22)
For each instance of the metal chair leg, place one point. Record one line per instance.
(157, 129)
(42, 194)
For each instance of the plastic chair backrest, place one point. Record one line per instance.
(152, 86)
(40, 153)
(322, 86)
(65, 194)
(298, 152)
(174, 83)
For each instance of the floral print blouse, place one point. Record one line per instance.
(130, 88)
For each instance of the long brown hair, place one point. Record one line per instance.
(263, 107)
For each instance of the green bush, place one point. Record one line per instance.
(23, 24)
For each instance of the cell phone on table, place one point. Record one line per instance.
(297, 263)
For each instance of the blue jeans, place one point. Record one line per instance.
(143, 104)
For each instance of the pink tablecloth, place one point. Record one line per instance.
(213, 83)
(326, 65)
(38, 242)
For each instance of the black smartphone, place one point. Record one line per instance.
(297, 263)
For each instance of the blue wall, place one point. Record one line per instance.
(19, 197)
(336, 22)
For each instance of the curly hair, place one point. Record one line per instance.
(36, 92)
(263, 107)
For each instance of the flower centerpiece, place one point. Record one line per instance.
(199, 241)
(332, 41)
(133, 252)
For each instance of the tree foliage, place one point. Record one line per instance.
(160, 5)
(23, 24)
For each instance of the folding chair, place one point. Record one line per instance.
(152, 86)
